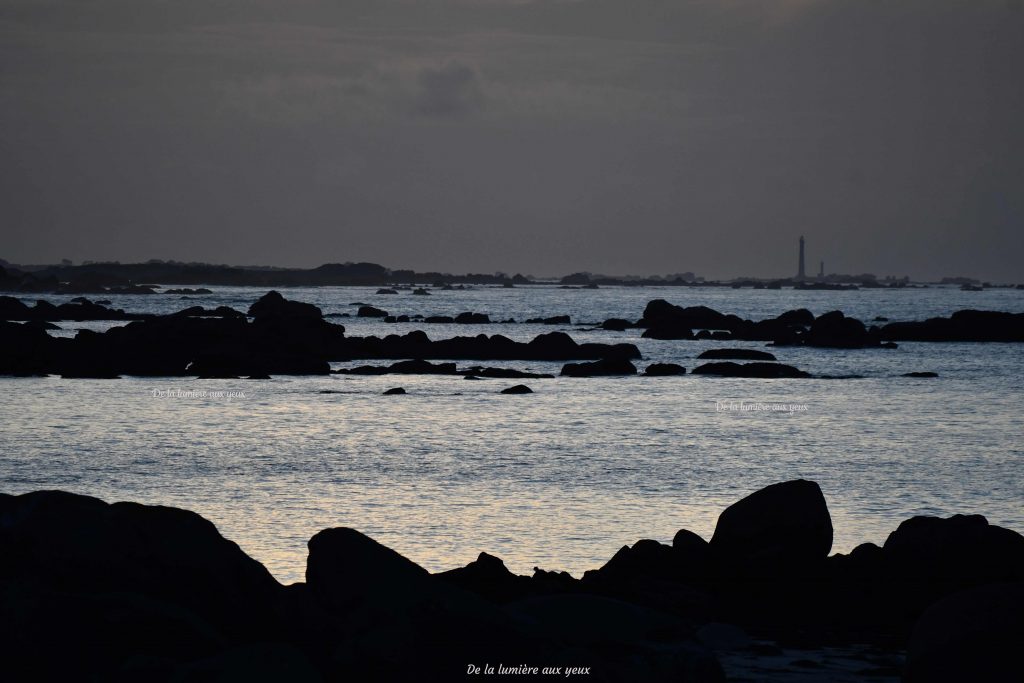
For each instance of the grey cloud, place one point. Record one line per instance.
(450, 90)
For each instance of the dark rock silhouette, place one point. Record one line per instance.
(284, 337)
(757, 370)
(371, 312)
(101, 592)
(835, 330)
(599, 368)
(920, 374)
(736, 354)
(552, 320)
(616, 324)
(272, 305)
(502, 373)
(394, 391)
(469, 318)
(387, 290)
(518, 389)
(405, 367)
(966, 326)
(972, 635)
(780, 527)
(664, 370)
(79, 310)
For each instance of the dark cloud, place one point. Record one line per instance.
(609, 135)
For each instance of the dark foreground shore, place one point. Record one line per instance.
(97, 591)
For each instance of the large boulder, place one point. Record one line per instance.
(79, 545)
(346, 568)
(835, 330)
(961, 548)
(273, 305)
(782, 526)
(664, 370)
(371, 312)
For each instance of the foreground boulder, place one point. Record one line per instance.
(784, 526)
(973, 635)
(835, 330)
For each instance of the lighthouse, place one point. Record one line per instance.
(800, 273)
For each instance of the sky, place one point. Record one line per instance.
(542, 137)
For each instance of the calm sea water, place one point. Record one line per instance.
(559, 479)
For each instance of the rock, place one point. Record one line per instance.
(552, 320)
(800, 316)
(468, 318)
(972, 635)
(477, 372)
(405, 367)
(920, 374)
(81, 546)
(439, 319)
(419, 291)
(616, 324)
(889, 345)
(664, 370)
(394, 391)
(345, 568)
(961, 548)
(754, 370)
(488, 577)
(736, 354)
(518, 389)
(783, 526)
(962, 326)
(646, 558)
(835, 330)
(599, 368)
(370, 312)
(386, 290)
(273, 305)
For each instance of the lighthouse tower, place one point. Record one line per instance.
(800, 273)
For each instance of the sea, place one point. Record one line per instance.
(559, 479)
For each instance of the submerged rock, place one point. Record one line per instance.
(736, 354)
(753, 370)
(394, 391)
(518, 389)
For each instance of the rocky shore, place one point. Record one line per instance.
(277, 336)
(97, 591)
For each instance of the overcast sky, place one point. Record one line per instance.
(614, 136)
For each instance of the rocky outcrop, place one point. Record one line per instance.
(962, 326)
(79, 310)
(100, 591)
(518, 389)
(371, 312)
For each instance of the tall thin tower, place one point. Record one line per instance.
(800, 274)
